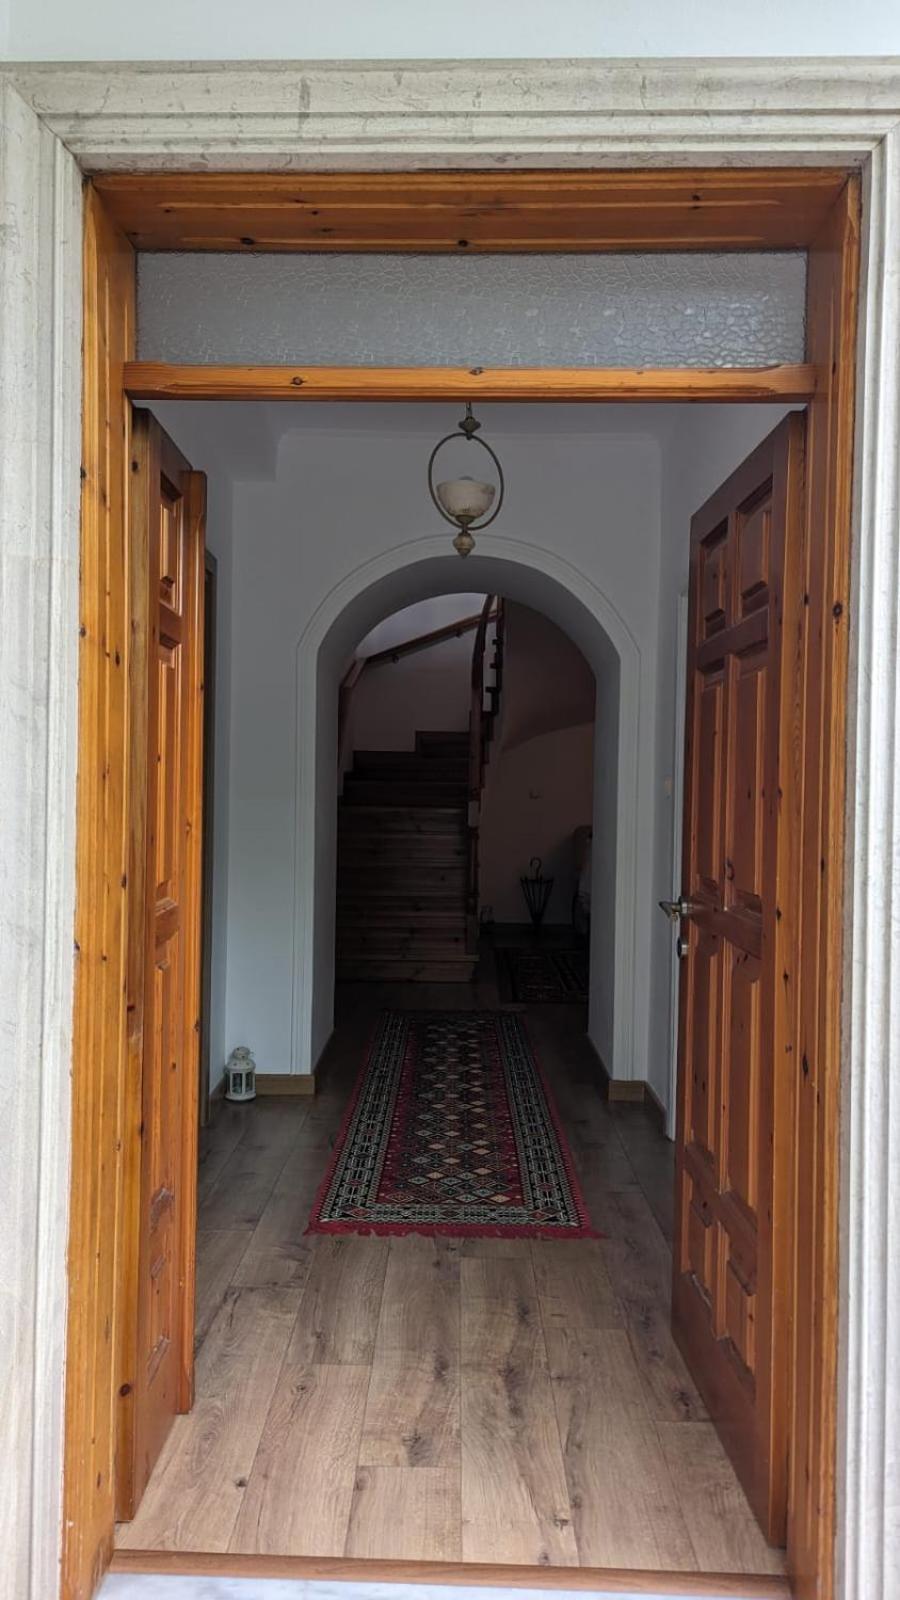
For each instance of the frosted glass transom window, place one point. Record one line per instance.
(671, 310)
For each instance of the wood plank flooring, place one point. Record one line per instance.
(482, 1400)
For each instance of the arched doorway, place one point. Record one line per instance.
(621, 890)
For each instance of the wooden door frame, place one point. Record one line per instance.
(60, 120)
(826, 383)
(210, 665)
(152, 453)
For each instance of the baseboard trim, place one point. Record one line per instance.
(655, 1109)
(634, 1090)
(282, 1083)
(616, 1580)
(615, 1088)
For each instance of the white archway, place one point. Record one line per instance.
(538, 577)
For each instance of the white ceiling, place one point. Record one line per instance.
(241, 438)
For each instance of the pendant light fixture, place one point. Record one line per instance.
(466, 502)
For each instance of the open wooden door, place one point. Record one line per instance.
(734, 1142)
(167, 512)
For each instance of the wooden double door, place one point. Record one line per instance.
(735, 1224)
(167, 569)
(736, 1228)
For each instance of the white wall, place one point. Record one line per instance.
(424, 617)
(392, 701)
(539, 778)
(341, 495)
(537, 794)
(547, 683)
(321, 492)
(699, 450)
(171, 30)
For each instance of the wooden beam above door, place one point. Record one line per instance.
(159, 380)
(461, 213)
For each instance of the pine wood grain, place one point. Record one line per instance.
(195, 1493)
(736, 1113)
(159, 380)
(467, 212)
(832, 317)
(102, 1110)
(100, 1023)
(302, 1481)
(166, 533)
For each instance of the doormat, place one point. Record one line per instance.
(537, 977)
(452, 1130)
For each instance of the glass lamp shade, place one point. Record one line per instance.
(464, 499)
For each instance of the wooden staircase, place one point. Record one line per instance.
(408, 824)
(402, 889)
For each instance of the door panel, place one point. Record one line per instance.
(734, 1145)
(167, 526)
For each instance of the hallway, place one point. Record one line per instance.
(485, 1400)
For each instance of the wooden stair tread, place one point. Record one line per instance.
(363, 943)
(453, 927)
(396, 934)
(402, 867)
(416, 850)
(413, 761)
(402, 970)
(418, 880)
(365, 793)
(388, 901)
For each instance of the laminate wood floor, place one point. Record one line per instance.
(421, 1398)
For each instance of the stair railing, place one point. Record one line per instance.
(383, 658)
(481, 725)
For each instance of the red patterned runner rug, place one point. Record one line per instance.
(452, 1130)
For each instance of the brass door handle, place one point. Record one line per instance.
(676, 909)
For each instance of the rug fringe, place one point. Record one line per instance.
(450, 1230)
(498, 1230)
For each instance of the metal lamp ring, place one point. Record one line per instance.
(471, 438)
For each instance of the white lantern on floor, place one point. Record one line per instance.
(240, 1075)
